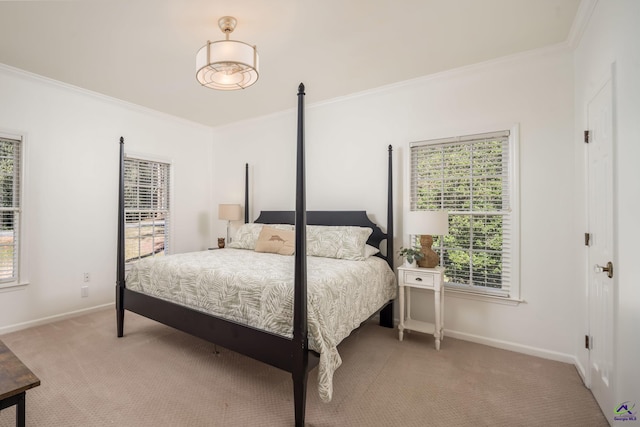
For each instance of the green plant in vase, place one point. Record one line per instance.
(411, 255)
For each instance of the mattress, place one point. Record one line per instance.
(256, 289)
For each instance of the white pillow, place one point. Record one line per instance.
(370, 251)
(343, 242)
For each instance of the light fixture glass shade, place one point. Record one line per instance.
(229, 212)
(435, 223)
(227, 65)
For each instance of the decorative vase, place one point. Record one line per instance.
(410, 264)
(430, 258)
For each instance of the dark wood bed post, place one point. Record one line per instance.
(300, 341)
(386, 314)
(120, 283)
(390, 210)
(246, 193)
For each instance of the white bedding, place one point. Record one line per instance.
(257, 289)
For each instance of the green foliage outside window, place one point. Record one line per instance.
(468, 180)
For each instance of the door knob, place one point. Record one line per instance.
(608, 269)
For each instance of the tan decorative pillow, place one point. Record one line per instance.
(275, 241)
(248, 234)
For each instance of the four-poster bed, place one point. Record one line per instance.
(287, 350)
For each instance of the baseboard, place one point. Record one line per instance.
(518, 348)
(45, 320)
(581, 371)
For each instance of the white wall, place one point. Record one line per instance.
(611, 37)
(70, 190)
(347, 143)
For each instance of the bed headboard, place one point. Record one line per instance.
(352, 218)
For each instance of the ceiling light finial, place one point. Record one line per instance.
(227, 64)
(227, 24)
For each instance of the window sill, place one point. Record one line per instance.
(457, 293)
(8, 287)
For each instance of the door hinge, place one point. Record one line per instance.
(586, 136)
(587, 342)
(587, 239)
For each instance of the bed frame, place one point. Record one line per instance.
(289, 354)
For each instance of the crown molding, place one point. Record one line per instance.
(27, 75)
(580, 22)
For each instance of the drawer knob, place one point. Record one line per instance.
(418, 279)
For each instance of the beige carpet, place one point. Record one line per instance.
(156, 376)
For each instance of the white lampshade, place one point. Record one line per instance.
(435, 223)
(227, 64)
(229, 212)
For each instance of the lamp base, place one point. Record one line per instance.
(430, 258)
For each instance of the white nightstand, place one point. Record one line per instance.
(423, 278)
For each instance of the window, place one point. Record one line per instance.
(146, 201)
(471, 177)
(10, 166)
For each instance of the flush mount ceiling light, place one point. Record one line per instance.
(227, 64)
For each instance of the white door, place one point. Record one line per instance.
(600, 197)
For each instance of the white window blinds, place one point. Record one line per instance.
(147, 211)
(469, 177)
(10, 164)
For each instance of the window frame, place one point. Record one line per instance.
(479, 293)
(168, 228)
(19, 273)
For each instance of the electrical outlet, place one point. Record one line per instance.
(86, 277)
(84, 291)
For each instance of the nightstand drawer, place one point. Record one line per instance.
(419, 279)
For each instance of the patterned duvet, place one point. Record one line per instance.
(257, 289)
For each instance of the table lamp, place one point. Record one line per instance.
(426, 224)
(229, 212)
